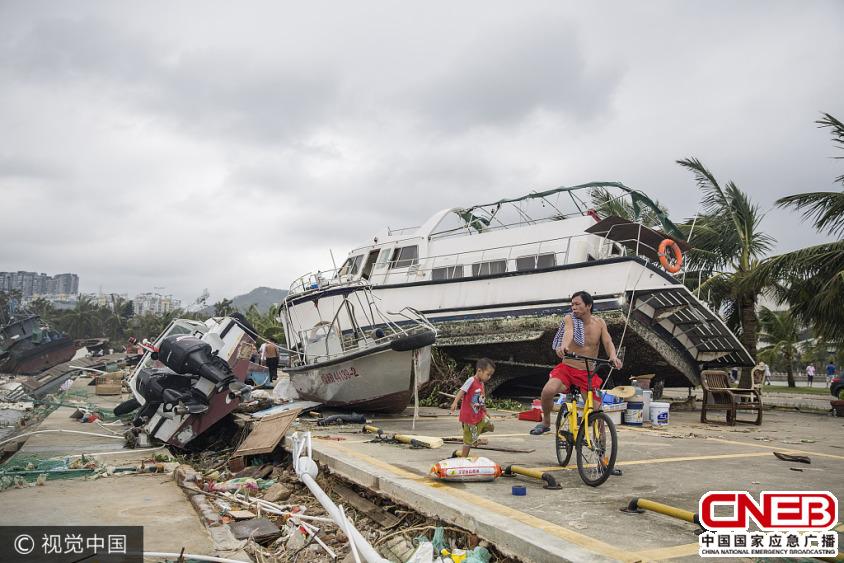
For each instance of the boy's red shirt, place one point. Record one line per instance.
(472, 409)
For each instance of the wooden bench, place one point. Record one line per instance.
(718, 395)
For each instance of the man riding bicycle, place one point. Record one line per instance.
(582, 334)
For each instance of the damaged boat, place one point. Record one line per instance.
(496, 279)
(28, 345)
(361, 358)
(190, 378)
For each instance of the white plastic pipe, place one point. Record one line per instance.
(347, 527)
(361, 545)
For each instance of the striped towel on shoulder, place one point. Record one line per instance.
(579, 332)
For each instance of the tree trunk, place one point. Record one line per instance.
(790, 376)
(749, 328)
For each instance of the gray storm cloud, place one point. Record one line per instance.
(207, 145)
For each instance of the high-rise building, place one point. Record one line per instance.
(67, 284)
(154, 304)
(31, 283)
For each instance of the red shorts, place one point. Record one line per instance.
(573, 376)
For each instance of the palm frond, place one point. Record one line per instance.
(837, 135)
(825, 209)
(714, 200)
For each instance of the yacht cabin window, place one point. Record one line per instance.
(536, 262)
(405, 256)
(489, 268)
(447, 273)
(351, 266)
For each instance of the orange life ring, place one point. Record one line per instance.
(663, 256)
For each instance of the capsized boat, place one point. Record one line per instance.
(28, 345)
(496, 280)
(190, 377)
(360, 357)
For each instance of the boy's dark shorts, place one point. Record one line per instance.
(472, 432)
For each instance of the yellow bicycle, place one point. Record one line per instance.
(592, 434)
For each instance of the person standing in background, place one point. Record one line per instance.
(269, 357)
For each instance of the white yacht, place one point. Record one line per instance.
(496, 278)
(374, 365)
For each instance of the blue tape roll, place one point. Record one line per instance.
(519, 490)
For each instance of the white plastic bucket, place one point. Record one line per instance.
(647, 395)
(614, 416)
(659, 413)
(633, 414)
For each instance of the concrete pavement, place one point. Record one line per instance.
(153, 501)
(674, 465)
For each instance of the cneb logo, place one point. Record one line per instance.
(776, 510)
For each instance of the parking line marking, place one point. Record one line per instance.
(664, 460)
(783, 448)
(576, 538)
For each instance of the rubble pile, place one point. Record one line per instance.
(269, 508)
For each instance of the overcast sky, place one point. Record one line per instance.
(230, 145)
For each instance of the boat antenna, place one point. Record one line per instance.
(333, 263)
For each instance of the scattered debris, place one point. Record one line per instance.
(791, 457)
(277, 492)
(258, 529)
(267, 433)
(342, 419)
(370, 509)
(412, 439)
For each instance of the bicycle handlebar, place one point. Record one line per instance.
(590, 358)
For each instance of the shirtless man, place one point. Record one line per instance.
(573, 372)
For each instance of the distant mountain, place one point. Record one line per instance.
(263, 297)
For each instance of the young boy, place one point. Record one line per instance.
(472, 411)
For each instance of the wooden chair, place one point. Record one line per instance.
(718, 395)
(758, 376)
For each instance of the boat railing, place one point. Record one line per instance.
(636, 242)
(532, 255)
(402, 231)
(353, 337)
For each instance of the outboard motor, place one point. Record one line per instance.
(174, 393)
(190, 355)
(199, 375)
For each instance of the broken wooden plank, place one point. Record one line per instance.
(241, 514)
(369, 508)
(266, 434)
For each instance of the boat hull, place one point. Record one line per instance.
(34, 359)
(378, 382)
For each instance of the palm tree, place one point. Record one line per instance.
(780, 331)
(224, 308)
(266, 324)
(812, 278)
(728, 246)
(43, 308)
(82, 321)
(606, 203)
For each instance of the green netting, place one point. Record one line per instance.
(31, 462)
(478, 555)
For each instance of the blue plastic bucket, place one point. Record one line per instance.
(634, 416)
(259, 378)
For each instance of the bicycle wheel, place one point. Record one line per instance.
(563, 437)
(595, 463)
